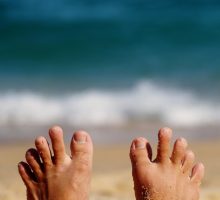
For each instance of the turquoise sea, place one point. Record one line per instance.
(109, 63)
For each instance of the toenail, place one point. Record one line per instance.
(28, 153)
(39, 140)
(55, 129)
(140, 144)
(81, 142)
(80, 138)
(182, 141)
(166, 131)
(20, 166)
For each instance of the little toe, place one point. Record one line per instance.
(56, 136)
(82, 150)
(198, 172)
(140, 152)
(26, 175)
(44, 151)
(188, 161)
(178, 151)
(164, 137)
(34, 162)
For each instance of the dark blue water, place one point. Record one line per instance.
(113, 43)
(115, 48)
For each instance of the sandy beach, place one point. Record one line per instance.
(111, 177)
(117, 69)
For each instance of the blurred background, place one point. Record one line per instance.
(117, 68)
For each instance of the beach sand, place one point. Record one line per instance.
(112, 173)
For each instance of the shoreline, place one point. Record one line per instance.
(110, 135)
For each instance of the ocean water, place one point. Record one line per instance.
(109, 63)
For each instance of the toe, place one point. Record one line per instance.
(179, 151)
(140, 155)
(188, 161)
(26, 175)
(33, 160)
(198, 172)
(56, 136)
(44, 151)
(164, 137)
(140, 152)
(82, 150)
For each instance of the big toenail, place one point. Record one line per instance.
(80, 138)
(140, 144)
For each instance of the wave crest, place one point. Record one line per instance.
(146, 100)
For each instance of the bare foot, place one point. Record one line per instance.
(165, 178)
(60, 177)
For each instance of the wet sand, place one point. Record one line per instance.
(111, 177)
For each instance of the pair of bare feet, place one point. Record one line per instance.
(63, 177)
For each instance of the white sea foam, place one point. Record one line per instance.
(145, 100)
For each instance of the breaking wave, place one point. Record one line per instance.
(145, 100)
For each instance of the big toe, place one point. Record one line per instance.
(82, 151)
(140, 152)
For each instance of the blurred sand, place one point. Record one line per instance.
(111, 177)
